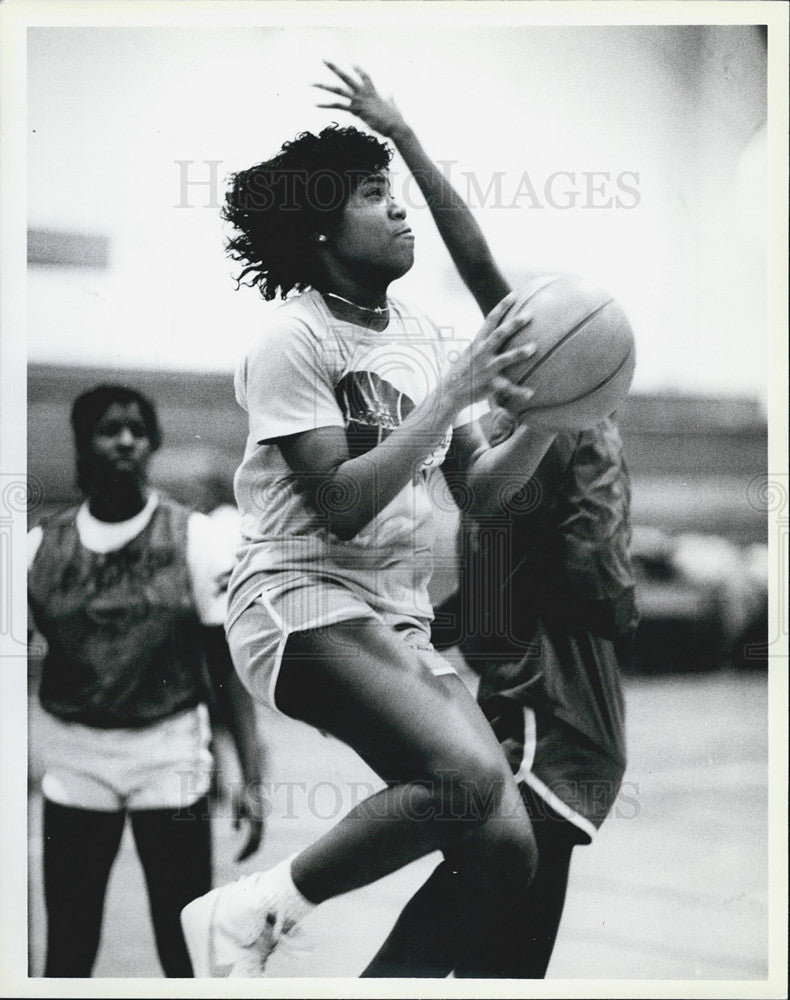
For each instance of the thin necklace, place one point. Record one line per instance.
(378, 310)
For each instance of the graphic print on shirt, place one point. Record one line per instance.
(374, 405)
(372, 408)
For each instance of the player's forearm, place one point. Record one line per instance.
(498, 473)
(234, 702)
(244, 731)
(457, 225)
(362, 487)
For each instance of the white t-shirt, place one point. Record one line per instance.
(308, 370)
(209, 556)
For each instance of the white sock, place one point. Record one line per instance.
(265, 897)
(291, 903)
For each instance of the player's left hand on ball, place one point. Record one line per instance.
(364, 100)
(511, 396)
(248, 806)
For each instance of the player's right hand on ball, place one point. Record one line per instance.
(481, 370)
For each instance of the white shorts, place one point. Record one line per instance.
(166, 765)
(257, 636)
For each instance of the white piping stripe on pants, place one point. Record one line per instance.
(526, 775)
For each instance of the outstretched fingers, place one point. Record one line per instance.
(364, 100)
(334, 90)
(347, 80)
(364, 77)
(351, 92)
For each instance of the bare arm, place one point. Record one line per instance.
(456, 224)
(493, 475)
(237, 711)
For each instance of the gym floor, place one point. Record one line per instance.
(675, 887)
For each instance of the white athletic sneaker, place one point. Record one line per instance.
(232, 930)
(294, 954)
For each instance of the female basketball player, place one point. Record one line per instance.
(550, 684)
(352, 398)
(128, 591)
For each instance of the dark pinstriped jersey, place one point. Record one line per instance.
(121, 627)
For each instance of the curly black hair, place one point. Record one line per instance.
(278, 205)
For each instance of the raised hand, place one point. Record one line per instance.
(364, 101)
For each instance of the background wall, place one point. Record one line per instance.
(695, 461)
(122, 122)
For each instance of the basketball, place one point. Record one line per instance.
(585, 358)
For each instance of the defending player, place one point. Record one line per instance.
(560, 579)
(128, 590)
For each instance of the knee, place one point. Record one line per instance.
(517, 853)
(471, 790)
(505, 857)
